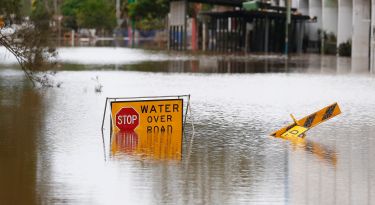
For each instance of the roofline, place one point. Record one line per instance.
(233, 3)
(253, 13)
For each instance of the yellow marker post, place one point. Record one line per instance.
(310, 121)
(294, 119)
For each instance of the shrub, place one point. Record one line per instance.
(345, 49)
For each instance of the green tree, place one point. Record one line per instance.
(96, 14)
(149, 14)
(40, 15)
(69, 9)
(30, 43)
(10, 8)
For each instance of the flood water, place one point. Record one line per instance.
(52, 149)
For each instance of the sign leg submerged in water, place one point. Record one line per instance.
(298, 128)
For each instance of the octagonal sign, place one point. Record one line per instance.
(127, 119)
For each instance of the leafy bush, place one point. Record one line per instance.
(96, 14)
(329, 40)
(345, 49)
(30, 41)
(148, 14)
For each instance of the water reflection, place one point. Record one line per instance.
(351, 179)
(221, 64)
(162, 146)
(56, 156)
(21, 116)
(320, 151)
(110, 58)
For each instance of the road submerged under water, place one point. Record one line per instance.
(51, 147)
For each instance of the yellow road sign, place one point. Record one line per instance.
(149, 127)
(312, 120)
(296, 131)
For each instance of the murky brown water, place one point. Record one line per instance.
(51, 148)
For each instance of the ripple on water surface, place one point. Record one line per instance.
(231, 159)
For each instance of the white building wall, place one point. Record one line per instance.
(294, 3)
(372, 57)
(303, 7)
(330, 12)
(361, 35)
(315, 9)
(282, 2)
(345, 21)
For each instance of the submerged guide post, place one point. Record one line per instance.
(298, 128)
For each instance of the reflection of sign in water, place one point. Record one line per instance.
(323, 152)
(298, 128)
(151, 127)
(124, 142)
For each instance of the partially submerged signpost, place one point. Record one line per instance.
(151, 126)
(298, 128)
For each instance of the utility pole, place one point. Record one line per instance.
(132, 25)
(118, 12)
(287, 25)
(185, 25)
(118, 33)
(59, 18)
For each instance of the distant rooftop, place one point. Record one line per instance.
(220, 2)
(254, 14)
(238, 3)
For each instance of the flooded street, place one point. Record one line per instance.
(52, 149)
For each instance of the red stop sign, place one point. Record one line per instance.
(127, 119)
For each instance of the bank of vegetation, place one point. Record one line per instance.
(29, 29)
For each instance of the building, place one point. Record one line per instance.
(324, 24)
